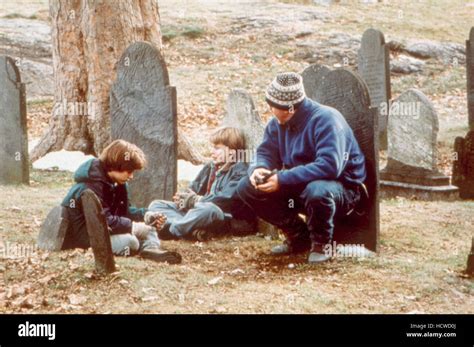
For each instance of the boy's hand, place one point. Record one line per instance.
(272, 184)
(258, 173)
(155, 219)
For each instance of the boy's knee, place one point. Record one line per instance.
(158, 204)
(319, 192)
(210, 210)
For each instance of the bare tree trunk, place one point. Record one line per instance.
(89, 37)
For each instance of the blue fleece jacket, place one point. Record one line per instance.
(315, 144)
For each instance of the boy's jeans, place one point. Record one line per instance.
(128, 244)
(203, 215)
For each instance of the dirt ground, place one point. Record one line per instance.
(211, 47)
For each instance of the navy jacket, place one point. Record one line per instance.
(223, 190)
(114, 199)
(315, 144)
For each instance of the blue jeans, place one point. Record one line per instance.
(128, 244)
(321, 201)
(180, 224)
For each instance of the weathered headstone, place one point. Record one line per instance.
(14, 168)
(53, 230)
(463, 166)
(313, 76)
(143, 111)
(412, 151)
(347, 92)
(99, 236)
(374, 67)
(242, 114)
(470, 77)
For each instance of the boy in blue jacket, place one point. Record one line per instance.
(107, 177)
(210, 205)
(319, 164)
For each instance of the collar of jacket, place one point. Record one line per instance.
(299, 119)
(226, 167)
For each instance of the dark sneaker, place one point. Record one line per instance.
(288, 248)
(201, 235)
(317, 255)
(161, 256)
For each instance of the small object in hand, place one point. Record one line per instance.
(152, 218)
(264, 178)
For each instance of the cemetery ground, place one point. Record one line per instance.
(209, 50)
(419, 269)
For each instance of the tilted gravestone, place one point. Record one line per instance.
(412, 151)
(14, 168)
(313, 76)
(347, 93)
(374, 68)
(99, 236)
(53, 230)
(143, 112)
(470, 260)
(470, 77)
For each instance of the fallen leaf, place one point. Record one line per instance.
(215, 280)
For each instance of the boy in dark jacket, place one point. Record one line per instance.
(210, 202)
(320, 169)
(107, 177)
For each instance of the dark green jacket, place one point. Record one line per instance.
(114, 198)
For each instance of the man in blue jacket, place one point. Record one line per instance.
(319, 169)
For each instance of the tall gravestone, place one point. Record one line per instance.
(412, 151)
(313, 76)
(470, 77)
(14, 168)
(143, 111)
(347, 92)
(374, 67)
(463, 166)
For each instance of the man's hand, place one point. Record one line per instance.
(259, 172)
(272, 185)
(155, 219)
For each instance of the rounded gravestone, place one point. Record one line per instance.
(143, 112)
(313, 75)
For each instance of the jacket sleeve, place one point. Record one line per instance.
(199, 185)
(268, 152)
(330, 157)
(228, 193)
(117, 224)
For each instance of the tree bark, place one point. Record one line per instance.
(89, 37)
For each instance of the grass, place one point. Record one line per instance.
(424, 247)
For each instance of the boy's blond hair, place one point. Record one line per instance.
(121, 155)
(230, 137)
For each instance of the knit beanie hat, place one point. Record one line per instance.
(286, 91)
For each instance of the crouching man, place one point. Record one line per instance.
(107, 177)
(309, 162)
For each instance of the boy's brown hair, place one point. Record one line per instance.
(230, 137)
(121, 155)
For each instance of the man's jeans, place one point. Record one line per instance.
(320, 201)
(180, 224)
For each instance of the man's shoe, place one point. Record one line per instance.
(201, 235)
(317, 255)
(161, 256)
(288, 248)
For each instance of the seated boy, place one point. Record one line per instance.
(210, 205)
(107, 177)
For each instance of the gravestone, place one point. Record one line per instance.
(470, 260)
(14, 168)
(99, 236)
(242, 114)
(347, 92)
(313, 75)
(412, 151)
(143, 112)
(463, 166)
(374, 67)
(53, 230)
(470, 77)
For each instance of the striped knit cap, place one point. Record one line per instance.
(286, 91)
